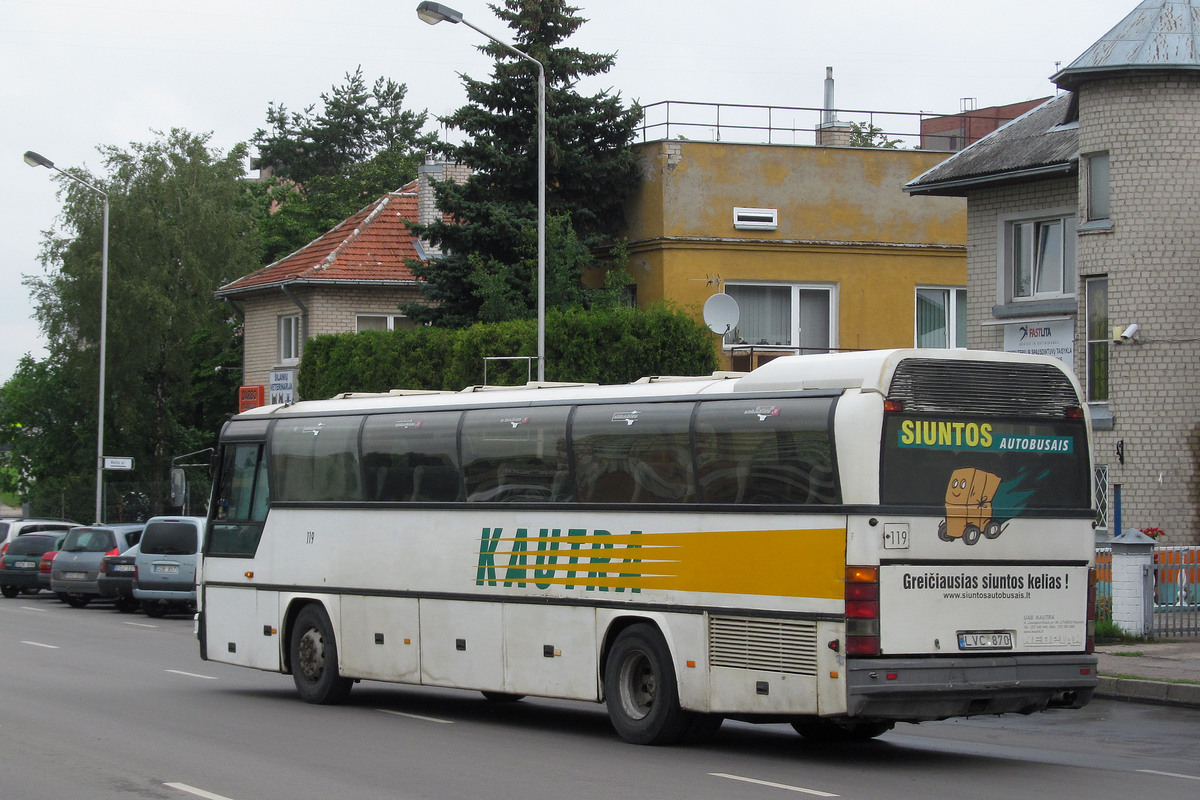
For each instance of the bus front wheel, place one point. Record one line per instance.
(640, 689)
(314, 659)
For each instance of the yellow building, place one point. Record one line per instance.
(820, 246)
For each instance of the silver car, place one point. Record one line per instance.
(75, 571)
(166, 564)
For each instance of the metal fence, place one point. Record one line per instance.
(1176, 590)
(755, 124)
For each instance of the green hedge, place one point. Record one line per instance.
(601, 346)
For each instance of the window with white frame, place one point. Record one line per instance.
(1039, 257)
(783, 315)
(382, 322)
(941, 317)
(289, 339)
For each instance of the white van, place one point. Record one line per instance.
(166, 564)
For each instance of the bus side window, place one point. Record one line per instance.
(634, 454)
(317, 459)
(515, 455)
(769, 453)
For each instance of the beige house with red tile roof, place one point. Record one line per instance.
(353, 278)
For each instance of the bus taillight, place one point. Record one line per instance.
(862, 611)
(1090, 642)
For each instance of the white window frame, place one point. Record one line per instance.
(290, 339)
(1006, 276)
(392, 320)
(956, 296)
(794, 325)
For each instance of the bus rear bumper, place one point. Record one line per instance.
(917, 689)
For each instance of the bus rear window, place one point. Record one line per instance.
(1013, 466)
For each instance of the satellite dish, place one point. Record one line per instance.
(721, 313)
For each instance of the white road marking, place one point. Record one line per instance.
(773, 785)
(192, 674)
(141, 625)
(416, 716)
(1171, 774)
(39, 644)
(183, 787)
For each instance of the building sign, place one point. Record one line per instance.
(251, 397)
(283, 386)
(1055, 338)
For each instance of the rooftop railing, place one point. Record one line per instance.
(753, 124)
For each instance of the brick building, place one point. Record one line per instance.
(1083, 241)
(353, 278)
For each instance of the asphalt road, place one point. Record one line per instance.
(98, 705)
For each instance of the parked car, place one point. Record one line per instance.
(13, 527)
(117, 574)
(75, 571)
(19, 564)
(166, 564)
(47, 559)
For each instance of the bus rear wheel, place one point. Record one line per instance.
(640, 689)
(314, 659)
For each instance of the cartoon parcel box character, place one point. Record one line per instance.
(969, 506)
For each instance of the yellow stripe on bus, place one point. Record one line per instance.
(790, 563)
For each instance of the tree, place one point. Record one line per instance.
(868, 135)
(181, 224)
(590, 172)
(326, 165)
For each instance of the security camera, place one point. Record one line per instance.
(1130, 332)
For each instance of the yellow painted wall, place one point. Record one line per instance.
(843, 221)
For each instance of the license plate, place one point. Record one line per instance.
(170, 569)
(25, 564)
(985, 640)
(74, 576)
(123, 567)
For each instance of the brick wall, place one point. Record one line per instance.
(1151, 256)
(331, 309)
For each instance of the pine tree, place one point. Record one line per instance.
(489, 270)
(328, 164)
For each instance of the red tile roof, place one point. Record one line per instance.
(371, 246)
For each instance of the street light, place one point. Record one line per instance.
(35, 160)
(434, 13)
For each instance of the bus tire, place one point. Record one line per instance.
(640, 690)
(839, 731)
(314, 659)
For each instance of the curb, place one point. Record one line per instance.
(1158, 692)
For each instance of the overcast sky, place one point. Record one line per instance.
(84, 73)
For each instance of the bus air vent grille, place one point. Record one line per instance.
(964, 387)
(773, 645)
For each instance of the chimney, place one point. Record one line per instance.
(427, 210)
(831, 133)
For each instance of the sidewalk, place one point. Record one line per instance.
(1165, 671)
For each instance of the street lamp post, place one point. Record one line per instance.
(35, 160)
(434, 13)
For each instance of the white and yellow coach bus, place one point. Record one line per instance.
(836, 541)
